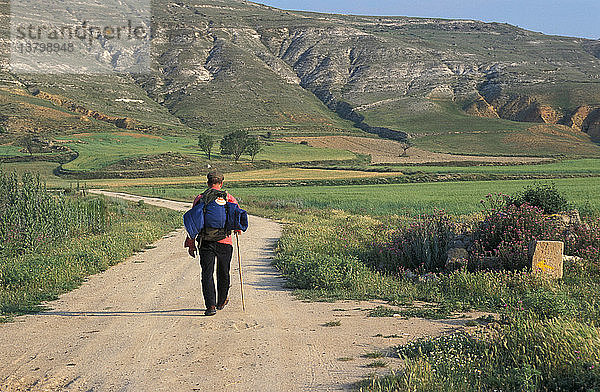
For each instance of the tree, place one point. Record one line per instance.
(27, 142)
(253, 148)
(405, 145)
(3, 121)
(235, 144)
(206, 142)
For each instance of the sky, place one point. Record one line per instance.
(576, 18)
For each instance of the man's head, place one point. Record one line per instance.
(215, 178)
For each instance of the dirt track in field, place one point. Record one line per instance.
(140, 327)
(389, 151)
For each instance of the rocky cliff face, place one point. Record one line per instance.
(591, 124)
(358, 66)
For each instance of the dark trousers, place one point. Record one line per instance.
(209, 251)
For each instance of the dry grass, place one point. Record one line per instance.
(283, 174)
(558, 138)
(388, 151)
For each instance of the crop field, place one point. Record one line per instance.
(567, 167)
(540, 141)
(97, 150)
(278, 174)
(10, 149)
(411, 199)
(43, 169)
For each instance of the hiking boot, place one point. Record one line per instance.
(221, 306)
(211, 311)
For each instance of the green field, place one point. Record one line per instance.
(44, 169)
(454, 197)
(10, 149)
(552, 142)
(442, 126)
(440, 117)
(578, 166)
(98, 150)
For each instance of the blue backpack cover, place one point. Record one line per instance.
(214, 217)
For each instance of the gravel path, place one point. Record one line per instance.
(140, 327)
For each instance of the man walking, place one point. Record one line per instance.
(214, 245)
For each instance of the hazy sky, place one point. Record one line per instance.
(578, 18)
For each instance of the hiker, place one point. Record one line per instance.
(214, 243)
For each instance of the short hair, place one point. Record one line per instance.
(215, 177)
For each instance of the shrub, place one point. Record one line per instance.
(508, 228)
(309, 270)
(545, 196)
(507, 232)
(421, 245)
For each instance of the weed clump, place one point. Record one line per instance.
(421, 244)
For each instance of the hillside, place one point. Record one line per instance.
(222, 65)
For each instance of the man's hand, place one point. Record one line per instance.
(237, 232)
(191, 245)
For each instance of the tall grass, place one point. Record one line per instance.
(31, 216)
(455, 198)
(50, 242)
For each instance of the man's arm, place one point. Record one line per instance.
(232, 199)
(190, 243)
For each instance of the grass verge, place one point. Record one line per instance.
(29, 279)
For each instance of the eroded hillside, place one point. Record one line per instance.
(221, 65)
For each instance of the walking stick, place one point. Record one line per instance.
(237, 241)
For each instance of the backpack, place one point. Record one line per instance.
(215, 216)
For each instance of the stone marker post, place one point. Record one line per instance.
(547, 258)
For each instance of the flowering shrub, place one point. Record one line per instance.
(421, 245)
(508, 229)
(584, 240)
(506, 233)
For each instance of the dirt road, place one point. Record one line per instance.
(140, 327)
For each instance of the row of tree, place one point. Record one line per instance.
(234, 144)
